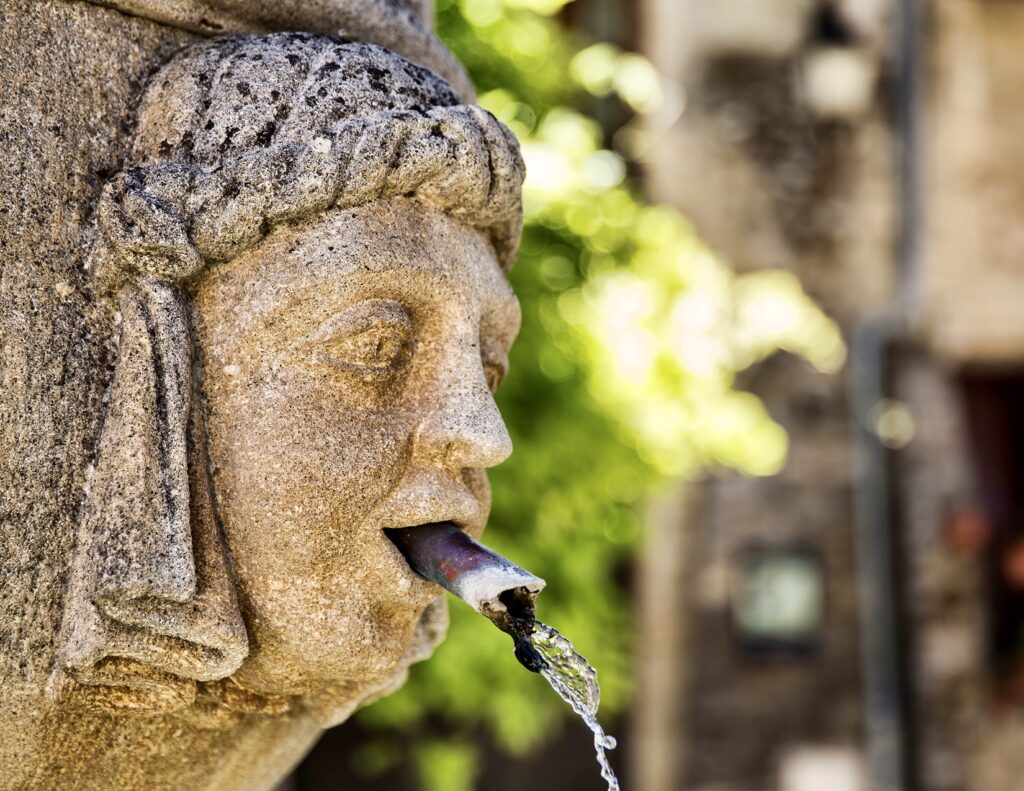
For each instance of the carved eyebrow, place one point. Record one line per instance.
(493, 351)
(501, 318)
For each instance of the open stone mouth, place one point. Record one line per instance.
(444, 553)
(491, 584)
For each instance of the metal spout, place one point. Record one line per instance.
(492, 585)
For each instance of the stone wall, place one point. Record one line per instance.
(778, 139)
(782, 157)
(72, 71)
(973, 261)
(945, 588)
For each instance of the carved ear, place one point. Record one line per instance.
(151, 588)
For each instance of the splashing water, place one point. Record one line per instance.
(575, 681)
(542, 649)
(443, 553)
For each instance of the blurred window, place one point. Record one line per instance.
(778, 599)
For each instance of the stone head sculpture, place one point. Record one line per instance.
(306, 253)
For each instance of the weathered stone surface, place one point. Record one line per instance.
(244, 329)
(64, 126)
(399, 25)
(974, 195)
(59, 145)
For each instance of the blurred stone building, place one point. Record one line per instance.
(857, 621)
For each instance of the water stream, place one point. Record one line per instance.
(505, 593)
(542, 649)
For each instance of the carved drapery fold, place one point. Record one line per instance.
(152, 607)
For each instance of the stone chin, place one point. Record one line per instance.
(334, 703)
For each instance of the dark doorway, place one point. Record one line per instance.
(994, 406)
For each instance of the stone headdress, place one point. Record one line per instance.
(235, 136)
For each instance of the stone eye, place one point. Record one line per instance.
(379, 349)
(372, 340)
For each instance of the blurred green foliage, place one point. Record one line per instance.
(621, 378)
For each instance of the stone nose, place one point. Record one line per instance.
(463, 429)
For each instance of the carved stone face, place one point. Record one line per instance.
(347, 365)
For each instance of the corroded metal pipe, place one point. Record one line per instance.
(489, 583)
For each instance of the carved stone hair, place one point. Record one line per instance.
(287, 126)
(234, 137)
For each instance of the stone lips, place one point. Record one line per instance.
(446, 555)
